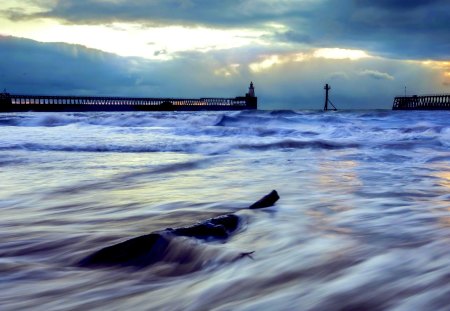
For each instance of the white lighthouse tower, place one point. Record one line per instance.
(251, 90)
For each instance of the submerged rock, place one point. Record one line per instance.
(151, 248)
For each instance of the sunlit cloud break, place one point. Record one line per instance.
(127, 39)
(338, 53)
(268, 61)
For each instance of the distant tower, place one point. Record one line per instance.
(327, 88)
(251, 90)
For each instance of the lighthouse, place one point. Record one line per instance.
(251, 90)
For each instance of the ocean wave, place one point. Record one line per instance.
(209, 148)
(298, 144)
(186, 147)
(282, 119)
(286, 113)
(113, 119)
(219, 132)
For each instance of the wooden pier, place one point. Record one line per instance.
(425, 102)
(44, 103)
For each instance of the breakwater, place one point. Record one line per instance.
(48, 103)
(20, 103)
(426, 102)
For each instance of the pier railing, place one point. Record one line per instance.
(19, 102)
(423, 102)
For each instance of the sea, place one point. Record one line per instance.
(362, 223)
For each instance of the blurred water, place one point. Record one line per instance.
(362, 223)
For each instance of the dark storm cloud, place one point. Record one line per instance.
(398, 4)
(33, 67)
(398, 29)
(412, 29)
(224, 13)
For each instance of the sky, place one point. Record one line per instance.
(368, 51)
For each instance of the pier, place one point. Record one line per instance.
(48, 103)
(425, 102)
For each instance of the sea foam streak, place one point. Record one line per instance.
(362, 224)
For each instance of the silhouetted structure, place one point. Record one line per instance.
(327, 88)
(20, 103)
(426, 102)
(251, 90)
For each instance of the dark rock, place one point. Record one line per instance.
(151, 248)
(215, 228)
(266, 201)
(141, 251)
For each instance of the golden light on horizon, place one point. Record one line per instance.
(442, 66)
(436, 64)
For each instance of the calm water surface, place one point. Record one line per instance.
(363, 222)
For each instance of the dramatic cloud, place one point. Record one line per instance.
(58, 68)
(33, 67)
(399, 29)
(399, 5)
(191, 48)
(229, 13)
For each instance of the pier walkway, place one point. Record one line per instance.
(20, 103)
(425, 102)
